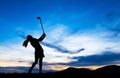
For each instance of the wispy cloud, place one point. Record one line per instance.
(61, 49)
(111, 22)
(105, 58)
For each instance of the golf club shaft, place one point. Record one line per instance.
(42, 25)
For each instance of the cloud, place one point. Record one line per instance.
(24, 69)
(61, 49)
(13, 63)
(105, 58)
(111, 22)
(22, 35)
(93, 44)
(17, 69)
(15, 52)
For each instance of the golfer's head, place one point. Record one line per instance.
(29, 37)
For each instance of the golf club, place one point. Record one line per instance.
(41, 24)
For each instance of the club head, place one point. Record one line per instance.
(38, 17)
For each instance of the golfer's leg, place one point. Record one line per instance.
(40, 64)
(33, 65)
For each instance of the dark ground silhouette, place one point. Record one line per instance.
(111, 71)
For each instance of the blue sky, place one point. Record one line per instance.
(78, 32)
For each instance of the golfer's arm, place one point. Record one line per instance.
(42, 37)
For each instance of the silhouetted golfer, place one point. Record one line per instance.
(39, 53)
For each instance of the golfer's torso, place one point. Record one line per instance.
(35, 44)
(38, 48)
